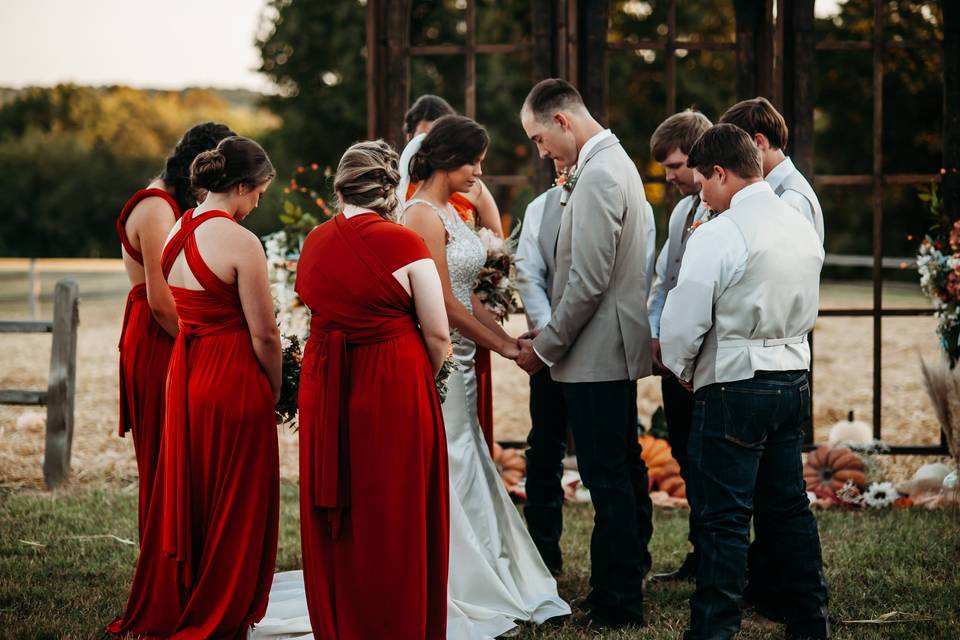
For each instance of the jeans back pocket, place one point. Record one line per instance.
(748, 414)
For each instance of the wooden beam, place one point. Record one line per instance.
(20, 396)
(61, 385)
(748, 16)
(26, 326)
(373, 80)
(470, 62)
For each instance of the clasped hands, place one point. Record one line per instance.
(526, 358)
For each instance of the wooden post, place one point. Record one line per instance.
(592, 76)
(33, 289)
(754, 48)
(543, 17)
(950, 186)
(61, 386)
(388, 73)
(799, 61)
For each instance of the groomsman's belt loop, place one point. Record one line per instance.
(761, 342)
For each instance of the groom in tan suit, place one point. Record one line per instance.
(597, 342)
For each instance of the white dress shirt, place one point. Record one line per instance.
(792, 198)
(531, 269)
(658, 291)
(715, 259)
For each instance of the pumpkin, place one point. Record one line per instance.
(511, 465)
(662, 469)
(830, 469)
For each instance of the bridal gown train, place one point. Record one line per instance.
(496, 575)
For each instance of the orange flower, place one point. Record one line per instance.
(293, 184)
(320, 202)
(903, 502)
(286, 189)
(300, 169)
(314, 166)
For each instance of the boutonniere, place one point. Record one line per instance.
(696, 223)
(566, 182)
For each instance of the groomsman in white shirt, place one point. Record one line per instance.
(669, 145)
(735, 328)
(547, 442)
(769, 131)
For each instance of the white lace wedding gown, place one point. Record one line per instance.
(496, 575)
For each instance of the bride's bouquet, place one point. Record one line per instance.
(495, 284)
(292, 357)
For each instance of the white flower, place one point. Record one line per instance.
(880, 494)
(492, 242)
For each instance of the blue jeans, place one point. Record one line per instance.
(744, 457)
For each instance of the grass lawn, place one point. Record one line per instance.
(62, 575)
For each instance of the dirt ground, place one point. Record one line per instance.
(843, 382)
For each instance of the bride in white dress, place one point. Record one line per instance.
(496, 576)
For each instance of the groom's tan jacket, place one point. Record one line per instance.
(598, 330)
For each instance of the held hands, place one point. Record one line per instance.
(659, 369)
(529, 361)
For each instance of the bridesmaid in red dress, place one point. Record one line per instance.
(150, 318)
(207, 557)
(477, 208)
(373, 459)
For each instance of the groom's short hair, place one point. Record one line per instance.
(727, 146)
(552, 95)
(757, 115)
(679, 131)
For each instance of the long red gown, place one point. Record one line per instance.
(208, 552)
(374, 493)
(483, 367)
(144, 355)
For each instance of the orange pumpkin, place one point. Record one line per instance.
(511, 465)
(662, 468)
(830, 469)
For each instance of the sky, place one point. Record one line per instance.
(165, 45)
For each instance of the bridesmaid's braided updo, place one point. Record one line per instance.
(367, 177)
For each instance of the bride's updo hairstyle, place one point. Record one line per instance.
(452, 142)
(236, 160)
(367, 177)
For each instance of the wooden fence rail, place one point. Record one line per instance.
(61, 382)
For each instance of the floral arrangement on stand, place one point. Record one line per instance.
(303, 209)
(495, 286)
(938, 261)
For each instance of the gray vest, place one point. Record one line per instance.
(796, 182)
(549, 230)
(677, 238)
(761, 322)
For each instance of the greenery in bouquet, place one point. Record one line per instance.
(938, 262)
(446, 369)
(496, 283)
(292, 358)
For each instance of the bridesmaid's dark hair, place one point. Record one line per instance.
(236, 160)
(427, 108)
(367, 177)
(176, 173)
(452, 142)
